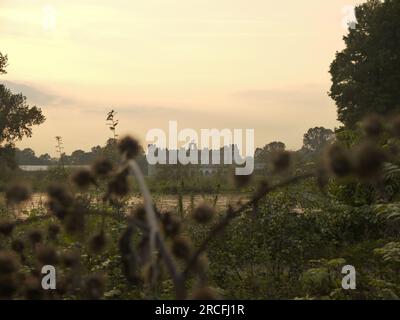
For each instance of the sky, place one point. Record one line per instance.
(238, 64)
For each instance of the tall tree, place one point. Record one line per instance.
(366, 74)
(16, 116)
(3, 63)
(316, 138)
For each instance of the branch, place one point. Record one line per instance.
(231, 214)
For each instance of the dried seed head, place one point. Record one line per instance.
(171, 224)
(281, 160)
(102, 167)
(369, 160)
(6, 227)
(372, 125)
(60, 194)
(129, 147)
(98, 243)
(95, 285)
(205, 293)
(53, 231)
(57, 209)
(204, 213)
(181, 247)
(35, 236)
(83, 178)
(70, 258)
(242, 180)
(18, 245)
(119, 185)
(17, 194)
(140, 213)
(9, 262)
(47, 255)
(338, 161)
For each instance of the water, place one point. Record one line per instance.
(45, 168)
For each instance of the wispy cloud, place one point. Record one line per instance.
(36, 95)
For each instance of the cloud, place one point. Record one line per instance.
(36, 95)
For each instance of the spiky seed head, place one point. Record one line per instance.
(171, 224)
(18, 245)
(181, 247)
(369, 160)
(47, 255)
(35, 236)
(203, 213)
(6, 227)
(70, 258)
(338, 161)
(129, 147)
(60, 194)
(83, 178)
(102, 167)
(17, 193)
(372, 125)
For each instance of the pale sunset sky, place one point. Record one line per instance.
(241, 64)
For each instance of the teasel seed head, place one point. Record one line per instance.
(47, 255)
(83, 178)
(338, 161)
(203, 213)
(18, 245)
(70, 259)
(373, 126)
(181, 247)
(102, 167)
(35, 236)
(171, 224)
(17, 193)
(129, 147)
(6, 227)
(369, 160)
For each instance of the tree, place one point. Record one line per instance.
(16, 116)
(3, 63)
(316, 138)
(366, 74)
